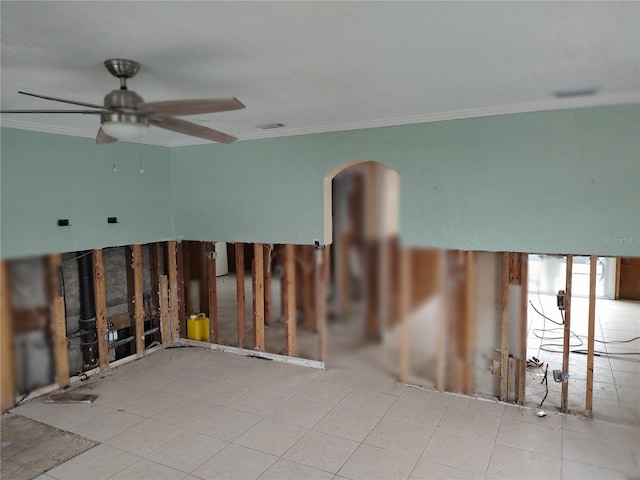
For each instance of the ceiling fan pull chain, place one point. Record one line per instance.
(140, 156)
(115, 168)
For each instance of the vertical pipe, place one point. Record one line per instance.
(88, 331)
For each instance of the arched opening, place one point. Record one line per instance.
(361, 231)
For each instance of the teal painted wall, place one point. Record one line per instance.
(550, 182)
(45, 177)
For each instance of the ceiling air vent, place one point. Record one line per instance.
(269, 126)
(575, 92)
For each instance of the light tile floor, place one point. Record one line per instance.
(616, 395)
(293, 422)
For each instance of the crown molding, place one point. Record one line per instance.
(597, 100)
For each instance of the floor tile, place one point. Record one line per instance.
(225, 423)
(187, 450)
(458, 451)
(366, 401)
(582, 471)
(184, 413)
(270, 436)
(145, 469)
(260, 401)
(301, 412)
(425, 395)
(473, 424)
(235, 462)
(322, 451)
(288, 470)
(597, 450)
(68, 416)
(150, 403)
(325, 392)
(371, 463)
(399, 437)
(416, 412)
(529, 436)
(103, 427)
(526, 414)
(144, 437)
(99, 463)
(428, 470)
(347, 424)
(508, 463)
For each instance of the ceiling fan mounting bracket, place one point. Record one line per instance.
(122, 68)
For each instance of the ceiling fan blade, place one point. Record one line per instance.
(86, 112)
(72, 102)
(191, 107)
(193, 129)
(103, 138)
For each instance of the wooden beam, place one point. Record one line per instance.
(242, 337)
(310, 288)
(524, 324)
(101, 308)
(131, 295)
(174, 302)
(268, 306)
(405, 311)
(59, 322)
(212, 292)
(442, 342)
(163, 300)
(258, 296)
(155, 270)
(617, 291)
(290, 306)
(504, 329)
(187, 259)
(138, 299)
(321, 280)
(181, 318)
(470, 322)
(593, 264)
(564, 397)
(7, 352)
(203, 253)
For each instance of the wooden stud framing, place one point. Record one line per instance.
(593, 263)
(308, 286)
(470, 322)
(101, 308)
(59, 323)
(441, 352)
(131, 295)
(174, 302)
(187, 259)
(504, 329)
(564, 398)
(524, 291)
(163, 300)
(155, 270)
(181, 317)
(617, 287)
(258, 296)
(7, 352)
(405, 307)
(242, 337)
(321, 280)
(138, 299)
(268, 314)
(290, 306)
(212, 292)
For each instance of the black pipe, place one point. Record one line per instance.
(88, 331)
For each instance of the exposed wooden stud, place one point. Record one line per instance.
(564, 397)
(187, 270)
(7, 352)
(155, 270)
(310, 289)
(101, 308)
(174, 301)
(139, 300)
(405, 310)
(593, 263)
(59, 323)
(470, 322)
(212, 292)
(202, 256)
(515, 268)
(441, 343)
(290, 306)
(131, 294)
(240, 296)
(181, 317)
(618, 267)
(163, 300)
(268, 301)
(258, 296)
(504, 329)
(321, 280)
(524, 324)
(372, 310)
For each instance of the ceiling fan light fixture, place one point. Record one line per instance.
(124, 126)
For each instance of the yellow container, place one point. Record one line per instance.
(198, 327)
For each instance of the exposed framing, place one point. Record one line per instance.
(59, 323)
(289, 314)
(564, 397)
(240, 295)
(258, 297)
(101, 308)
(7, 355)
(591, 334)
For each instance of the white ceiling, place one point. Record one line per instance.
(319, 66)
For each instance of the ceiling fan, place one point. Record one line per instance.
(126, 116)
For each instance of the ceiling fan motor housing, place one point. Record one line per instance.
(122, 99)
